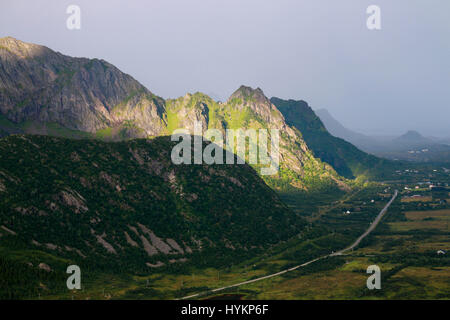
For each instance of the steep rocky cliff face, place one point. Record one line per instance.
(40, 85)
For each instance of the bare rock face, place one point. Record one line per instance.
(190, 109)
(41, 85)
(247, 97)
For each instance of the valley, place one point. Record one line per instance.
(88, 178)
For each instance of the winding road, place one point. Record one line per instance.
(372, 227)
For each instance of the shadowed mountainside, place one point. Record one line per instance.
(347, 160)
(126, 204)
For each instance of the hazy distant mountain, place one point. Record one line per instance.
(445, 141)
(412, 138)
(337, 129)
(364, 142)
(410, 146)
(216, 97)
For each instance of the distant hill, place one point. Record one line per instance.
(445, 141)
(336, 128)
(412, 138)
(411, 146)
(415, 147)
(362, 141)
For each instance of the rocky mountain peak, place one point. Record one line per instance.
(254, 99)
(20, 49)
(44, 86)
(248, 94)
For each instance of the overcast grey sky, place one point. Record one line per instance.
(380, 82)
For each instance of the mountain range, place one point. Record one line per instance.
(45, 92)
(411, 146)
(86, 172)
